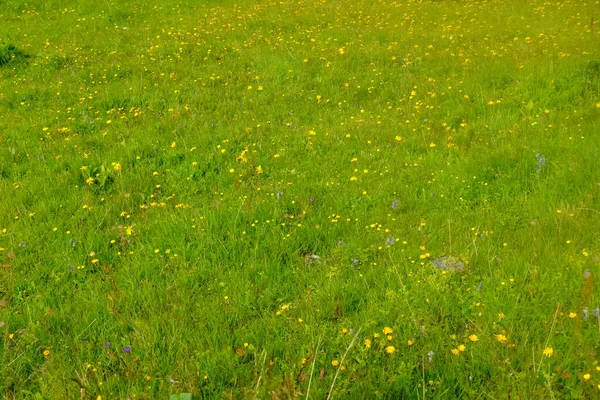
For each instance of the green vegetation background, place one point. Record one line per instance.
(216, 198)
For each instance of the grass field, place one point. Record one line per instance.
(245, 200)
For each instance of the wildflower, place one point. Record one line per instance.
(106, 345)
(586, 377)
(548, 352)
(387, 330)
(572, 315)
(390, 241)
(335, 363)
(473, 338)
(394, 204)
(89, 181)
(455, 352)
(410, 343)
(541, 161)
(390, 349)
(46, 353)
(501, 338)
(117, 167)
(430, 356)
(461, 348)
(127, 349)
(367, 343)
(259, 170)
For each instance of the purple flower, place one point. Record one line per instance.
(106, 345)
(312, 198)
(390, 241)
(430, 354)
(541, 161)
(127, 349)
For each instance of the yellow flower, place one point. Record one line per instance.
(376, 335)
(548, 351)
(335, 363)
(410, 343)
(572, 315)
(117, 167)
(501, 316)
(586, 377)
(259, 170)
(473, 338)
(46, 353)
(455, 352)
(462, 348)
(89, 180)
(367, 343)
(501, 338)
(390, 349)
(387, 330)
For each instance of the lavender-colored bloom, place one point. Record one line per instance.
(394, 204)
(279, 194)
(390, 241)
(106, 345)
(596, 312)
(127, 349)
(480, 286)
(586, 314)
(351, 330)
(73, 242)
(587, 274)
(430, 354)
(541, 161)
(312, 198)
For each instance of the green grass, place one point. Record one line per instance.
(170, 170)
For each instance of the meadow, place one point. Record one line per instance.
(219, 199)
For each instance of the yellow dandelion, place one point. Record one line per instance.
(586, 377)
(455, 352)
(46, 353)
(501, 338)
(410, 343)
(335, 363)
(390, 349)
(548, 352)
(473, 338)
(462, 348)
(572, 315)
(387, 330)
(367, 343)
